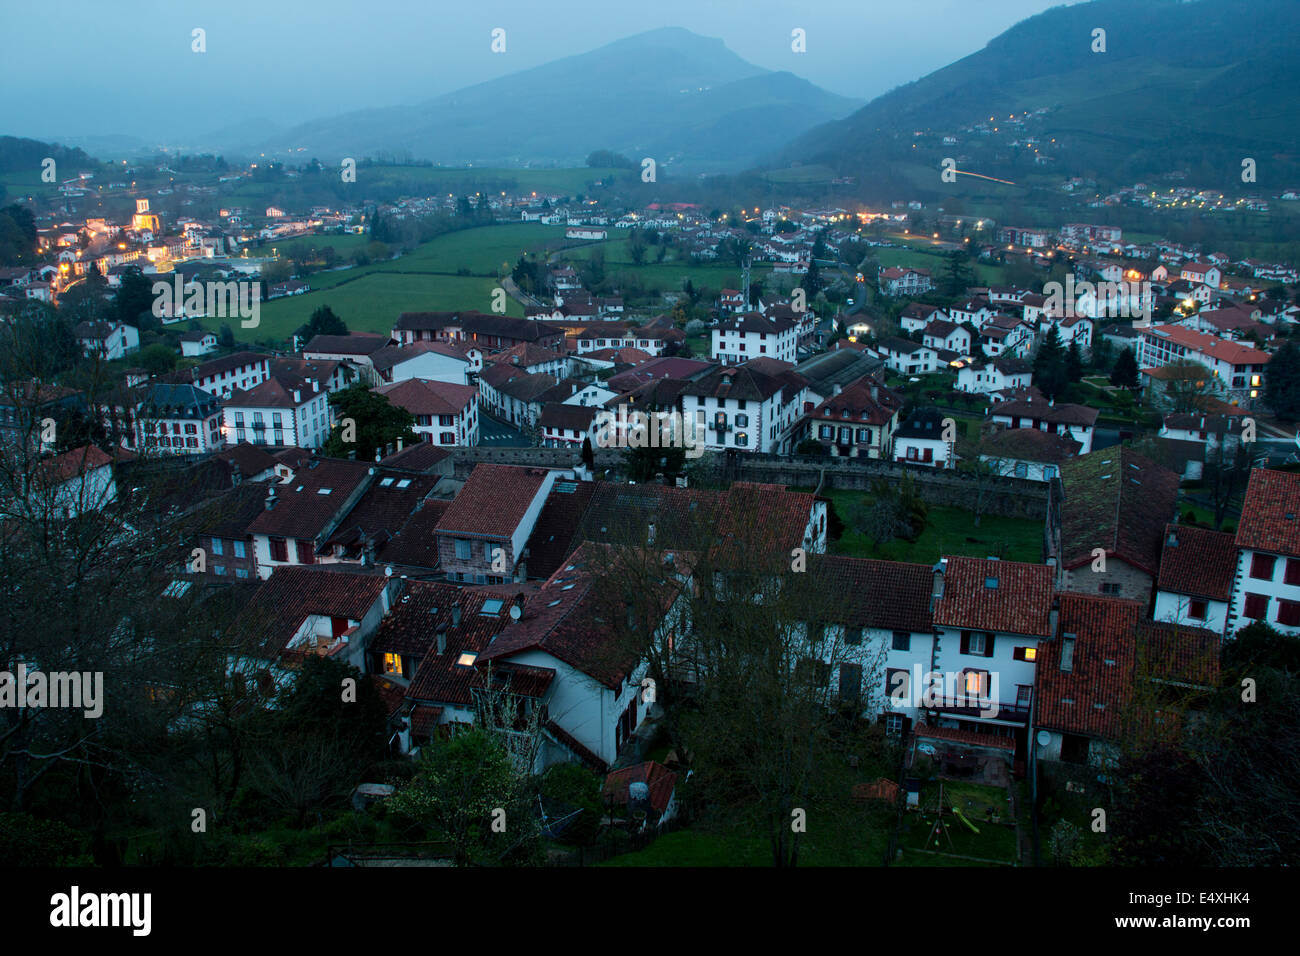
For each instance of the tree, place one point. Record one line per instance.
(1103, 353)
(314, 747)
(812, 282)
(1125, 372)
(1226, 472)
(588, 453)
(158, 359)
(1187, 386)
(763, 724)
(636, 245)
(133, 301)
(323, 321)
(958, 276)
(1282, 381)
(461, 788)
(226, 337)
(644, 463)
(1074, 361)
(1050, 371)
(376, 421)
(894, 510)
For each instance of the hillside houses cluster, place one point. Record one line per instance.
(444, 589)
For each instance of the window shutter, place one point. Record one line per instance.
(988, 645)
(965, 642)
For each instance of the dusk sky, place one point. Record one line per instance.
(94, 70)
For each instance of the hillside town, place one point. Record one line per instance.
(584, 447)
(448, 507)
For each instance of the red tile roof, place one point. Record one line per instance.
(1270, 515)
(411, 628)
(1019, 603)
(71, 464)
(493, 501)
(892, 595)
(306, 505)
(1117, 500)
(881, 789)
(970, 737)
(1115, 645)
(426, 397)
(566, 620)
(1198, 562)
(292, 594)
(660, 779)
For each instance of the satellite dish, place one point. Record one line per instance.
(388, 571)
(1043, 738)
(516, 611)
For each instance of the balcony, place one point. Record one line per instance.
(1019, 713)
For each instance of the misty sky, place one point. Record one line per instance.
(126, 67)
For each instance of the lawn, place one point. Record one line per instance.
(994, 841)
(484, 250)
(345, 244)
(865, 845)
(371, 303)
(948, 531)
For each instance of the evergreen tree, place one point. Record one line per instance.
(1050, 372)
(1074, 361)
(1282, 382)
(1125, 373)
(323, 322)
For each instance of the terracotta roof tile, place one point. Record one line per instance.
(1270, 516)
(1198, 562)
(492, 502)
(1117, 500)
(1018, 603)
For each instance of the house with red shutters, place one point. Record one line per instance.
(1268, 553)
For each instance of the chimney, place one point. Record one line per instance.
(270, 498)
(455, 616)
(442, 641)
(1172, 540)
(297, 397)
(836, 388)
(1054, 617)
(936, 590)
(399, 444)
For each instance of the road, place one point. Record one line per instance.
(497, 434)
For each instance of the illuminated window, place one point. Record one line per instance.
(467, 659)
(393, 664)
(1026, 654)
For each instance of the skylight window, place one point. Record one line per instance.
(323, 491)
(991, 583)
(554, 603)
(404, 483)
(492, 607)
(386, 482)
(467, 659)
